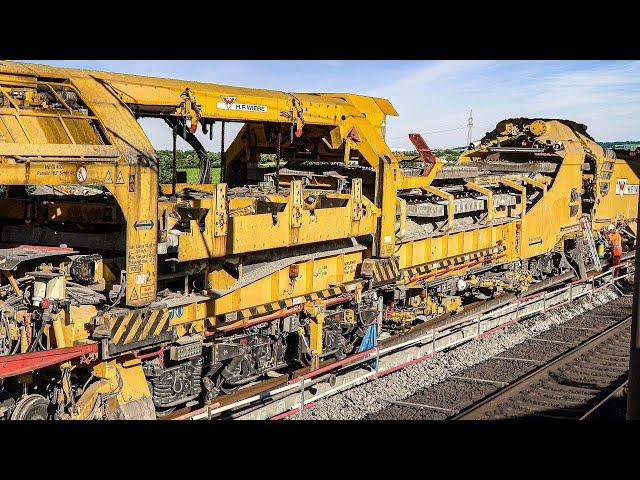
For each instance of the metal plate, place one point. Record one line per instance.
(11, 257)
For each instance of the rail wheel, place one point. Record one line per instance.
(32, 407)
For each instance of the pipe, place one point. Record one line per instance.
(173, 165)
(275, 316)
(222, 158)
(633, 396)
(278, 162)
(333, 365)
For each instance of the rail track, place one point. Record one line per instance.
(284, 395)
(571, 371)
(570, 387)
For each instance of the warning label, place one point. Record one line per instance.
(138, 256)
(108, 178)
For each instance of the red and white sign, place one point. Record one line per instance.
(230, 103)
(624, 188)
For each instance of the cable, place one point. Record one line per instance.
(104, 397)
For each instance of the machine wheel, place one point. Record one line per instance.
(31, 407)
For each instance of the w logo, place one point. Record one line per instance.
(229, 101)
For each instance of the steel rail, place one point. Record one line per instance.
(502, 395)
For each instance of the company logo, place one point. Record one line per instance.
(230, 103)
(624, 188)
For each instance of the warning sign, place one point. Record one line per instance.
(134, 294)
(108, 178)
(120, 179)
(132, 183)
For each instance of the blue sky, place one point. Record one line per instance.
(432, 97)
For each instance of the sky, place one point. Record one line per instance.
(433, 98)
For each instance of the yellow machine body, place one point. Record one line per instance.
(183, 268)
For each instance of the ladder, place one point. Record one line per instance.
(588, 234)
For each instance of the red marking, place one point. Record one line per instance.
(45, 303)
(353, 135)
(495, 329)
(330, 367)
(189, 415)
(11, 365)
(293, 412)
(228, 101)
(401, 366)
(155, 353)
(41, 248)
(425, 153)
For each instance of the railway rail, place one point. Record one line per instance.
(572, 386)
(283, 396)
(571, 371)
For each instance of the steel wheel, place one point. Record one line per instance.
(31, 407)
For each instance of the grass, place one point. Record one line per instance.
(194, 173)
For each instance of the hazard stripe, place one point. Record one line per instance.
(145, 331)
(116, 325)
(121, 332)
(127, 328)
(269, 308)
(135, 326)
(154, 325)
(453, 261)
(162, 326)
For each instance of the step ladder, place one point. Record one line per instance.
(591, 244)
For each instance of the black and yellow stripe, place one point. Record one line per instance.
(382, 270)
(452, 261)
(139, 328)
(267, 308)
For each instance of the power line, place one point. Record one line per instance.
(470, 125)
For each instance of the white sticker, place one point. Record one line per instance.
(230, 103)
(624, 188)
(298, 300)
(231, 317)
(81, 174)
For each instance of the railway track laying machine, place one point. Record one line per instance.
(124, 298)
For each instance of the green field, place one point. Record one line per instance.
(193, 173)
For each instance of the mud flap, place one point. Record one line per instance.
(141, 409)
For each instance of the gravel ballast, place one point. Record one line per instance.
(366, 399)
